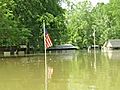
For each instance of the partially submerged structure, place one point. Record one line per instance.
(63, 47)
(20, 50)
(111, 44)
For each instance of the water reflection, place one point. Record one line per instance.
(84, 73)
(65, 71)
(63, 55)
(50, 72)
(113, 54)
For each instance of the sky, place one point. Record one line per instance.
(94, 2)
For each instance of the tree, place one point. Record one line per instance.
(101, 22)
(79, 24)
(30, 14)
(82, 20)
(10, 34)
(21, 22)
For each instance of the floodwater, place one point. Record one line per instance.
(66, 70)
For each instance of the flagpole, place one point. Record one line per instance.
(45, 57)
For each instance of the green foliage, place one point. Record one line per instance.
(21, 22)
(11, 33)
(79, 24)
(82, 20)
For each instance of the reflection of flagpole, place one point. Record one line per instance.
(45, 57)
(95, 60)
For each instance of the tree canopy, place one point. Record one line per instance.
(21, 22)
(83, 19)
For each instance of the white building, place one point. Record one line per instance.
(111, 44)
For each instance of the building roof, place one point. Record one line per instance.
(112, 43)
(64, 47)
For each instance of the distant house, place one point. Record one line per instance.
(111, 44)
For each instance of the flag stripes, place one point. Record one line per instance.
(48, 40)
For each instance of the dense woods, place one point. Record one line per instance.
(21, 22)
(83, 19)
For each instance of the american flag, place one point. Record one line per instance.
(48, 40)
